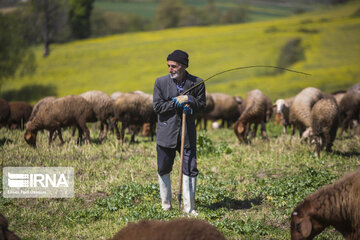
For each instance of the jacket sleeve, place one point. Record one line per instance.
(161, 105)
(197, 98)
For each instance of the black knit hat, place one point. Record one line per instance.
(179, 56)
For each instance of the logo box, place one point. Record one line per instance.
(38, 182)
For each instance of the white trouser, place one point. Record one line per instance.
(189, 188)
(165, 191)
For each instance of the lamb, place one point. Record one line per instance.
(4, 112)
(5, 233)
(324, 122)
(300, 110)
(254, 110)
(134, 109)
(202, 116)
(283, 112)
(349, 109)
(67, 111)
(19, 114)
(103, 107)
(177, 229)
(226, 108)
(337, 205)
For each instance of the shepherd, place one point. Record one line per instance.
(176, 109)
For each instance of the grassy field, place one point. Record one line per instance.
(247, 192)
(128, 62)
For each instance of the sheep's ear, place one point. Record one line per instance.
(306, 226)
(27, 135)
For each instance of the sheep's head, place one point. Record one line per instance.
(303, 226)
(30, 137)
(239, 130)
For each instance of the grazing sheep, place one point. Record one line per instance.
(338, 95)
(4, 112)
(349, 109)
(300, 110)
(202, 116)
(269, 109)
(324, 122)
(355, 88)
(40, 104)
(62, 112)
(19, 114)
(337, 205)
(283, 112)
(103, 107)
(115, 95)
(177, 229)
(5, 233)
(226, 108)
(253, 111)
(134, 109)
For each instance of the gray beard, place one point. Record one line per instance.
(175, 76)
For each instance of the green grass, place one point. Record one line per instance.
(133, 61)
(247, 192)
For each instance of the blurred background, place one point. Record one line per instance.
(62, 47)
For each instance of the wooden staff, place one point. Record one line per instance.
(181, 158)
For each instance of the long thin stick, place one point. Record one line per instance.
(181, 158)
(245, 67)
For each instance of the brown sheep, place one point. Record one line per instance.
(338, 95)
(177, 229)
(324, 123)
(349, 109)
(63, 112)
(40, 104)
(300, 110)
(103, 107)
(253, 111)
(337, 205)
(202, 116)
(19, 114)
(134, 109)
(283, 112)
(4, 112)
(226, 108)
(5, 233)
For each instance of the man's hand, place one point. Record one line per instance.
(188, 109)
(180, 101)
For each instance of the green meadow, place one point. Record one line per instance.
(330, 38)
(246, 191)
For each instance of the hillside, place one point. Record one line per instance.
(330, 38)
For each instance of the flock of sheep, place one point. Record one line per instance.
(315, 114)
(305, 111)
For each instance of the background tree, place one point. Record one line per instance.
(50, 18)
(80, 12)
(14, 51)
(168, 14)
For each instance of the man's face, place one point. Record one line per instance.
(176, 70)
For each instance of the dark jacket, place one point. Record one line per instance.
(170, 118)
